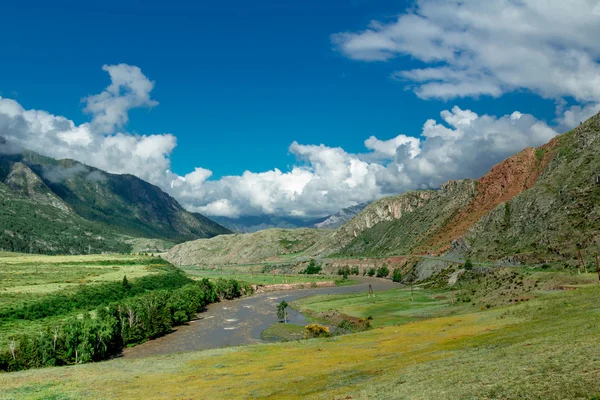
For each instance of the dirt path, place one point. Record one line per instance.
(241, 321)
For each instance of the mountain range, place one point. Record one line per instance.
(251, 224)
(63, 206)
(540, 205)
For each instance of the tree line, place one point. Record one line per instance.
(102, 333)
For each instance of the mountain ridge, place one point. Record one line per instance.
(117, 205)
(538, 205)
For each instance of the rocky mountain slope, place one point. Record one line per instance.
(538, 205)
(244, 248)
(338, 219)
(558, 216)
(394, 225)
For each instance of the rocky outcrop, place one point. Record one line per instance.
(504, 181)
(24, 181)
(433, 205)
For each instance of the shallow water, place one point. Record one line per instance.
(241, 321)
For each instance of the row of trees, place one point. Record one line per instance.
(104, 332)
(380, 272)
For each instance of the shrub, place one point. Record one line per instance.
(313, 268)
(371, 271)
(315, 330)
(468, 265)
(383, 272)
(281, 311)
(355, 270)
(397, 275)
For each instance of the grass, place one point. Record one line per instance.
(386, 308)
(283, 332)
(22, 274)
(543, 349)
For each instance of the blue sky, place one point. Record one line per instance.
(239, 82)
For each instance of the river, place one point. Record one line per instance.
(241, 321)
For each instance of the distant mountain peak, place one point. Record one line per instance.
(340, 218)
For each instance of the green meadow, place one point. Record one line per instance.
(545, 348)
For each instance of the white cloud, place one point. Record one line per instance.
(388, 147)
(324, 179)
(489, 47)
(144, 155)
(129, 89)
(574, 115)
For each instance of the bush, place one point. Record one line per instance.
(397, 275)
(312, 269)
(355, 270)
(228, 288)
(468, 265)
(383, 272)
(371, 271)
(315, 330)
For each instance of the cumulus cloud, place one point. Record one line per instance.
(129, 88)
(462, 144)
(95, 142)
(472, 47)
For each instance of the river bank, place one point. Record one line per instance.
(241, 321)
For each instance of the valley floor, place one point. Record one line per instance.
(546, 348)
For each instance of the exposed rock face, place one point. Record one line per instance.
(504, 181)
(24, 181)
(432, 205)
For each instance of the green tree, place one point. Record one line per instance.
(126, 283)
(312, 268)
(282, 311)
(468, 265)
(382, 272)
(397, 275)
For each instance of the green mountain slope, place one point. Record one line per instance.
(30, 226)
(125, 203)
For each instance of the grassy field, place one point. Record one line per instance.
(386, 308)
(543, 349)
(256, 278)
(283, 332)
(24, 276)
(25, 279)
